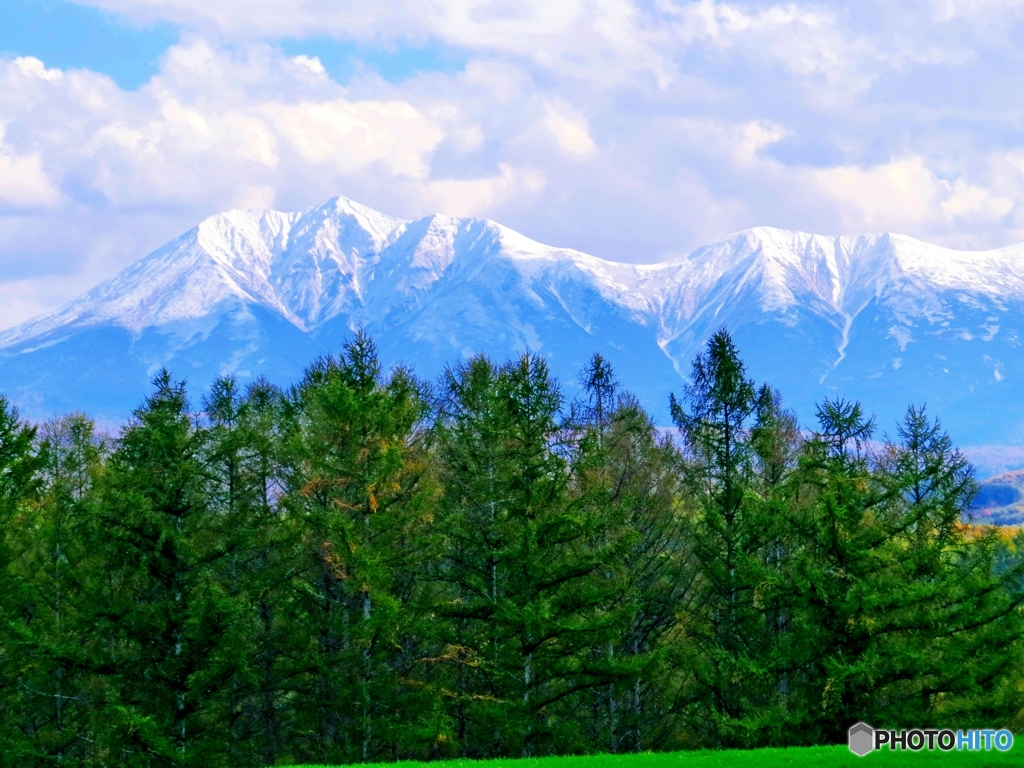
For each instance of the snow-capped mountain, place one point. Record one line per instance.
(881, 318)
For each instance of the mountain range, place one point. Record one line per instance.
(884, 319)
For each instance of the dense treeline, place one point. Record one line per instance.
(367, 568)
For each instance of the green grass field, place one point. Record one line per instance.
(802, 757)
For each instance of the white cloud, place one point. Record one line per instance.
(889, 196)
(257, 198)
(976, 203)
(24, 183)
(738, 143)
(190, 137)
(607, 41)
(570, 131)
(475, 197)
(630, 129)
(573, 37)
(975, 9)
(347, 136)
(907, 194)
(32, 67)
(312, 63)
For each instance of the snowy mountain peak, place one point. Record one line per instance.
(262, 292)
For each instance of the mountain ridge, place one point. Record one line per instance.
(883, 316)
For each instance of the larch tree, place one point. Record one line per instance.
(532, 563)
(735, 526)
(161, 612)
(357, 484)
(19, 489)
(58, 570)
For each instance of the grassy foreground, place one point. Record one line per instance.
(796, 757)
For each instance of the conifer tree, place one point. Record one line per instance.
(532, 564)
(161, 612)
(19, 485)
(900, 615)
(827, 571)
(631, 476)
(722, 420)
(356, 570)
(244, 466)
(959, 615)
(356, 485)
(56, 567)
(643, 485)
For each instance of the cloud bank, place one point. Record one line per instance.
(632, 130)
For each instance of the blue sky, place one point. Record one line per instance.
(70, 36)
(631, 129)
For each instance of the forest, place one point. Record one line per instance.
(369, 567)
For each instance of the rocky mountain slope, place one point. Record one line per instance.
(883, 318)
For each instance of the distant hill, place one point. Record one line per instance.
(882, 318)
(1000, 499)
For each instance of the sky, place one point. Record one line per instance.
(634, 131)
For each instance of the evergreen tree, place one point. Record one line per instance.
(954, 602)
(161, 614)
(357, 486)
(19, 485)
(641, 484)
(631, 476)
(354, 571)
(532, 564)
(901, 617)
(826, 575)
(735, 531)
(55, 567)
(244, 464)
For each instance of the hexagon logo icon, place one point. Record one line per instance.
(861, 739)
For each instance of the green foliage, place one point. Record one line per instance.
(162, 616)
(362, 569)
(19, 492)
(56, 565)
(532, 561)
(356, 491)
(898, 612)
(739, 445)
